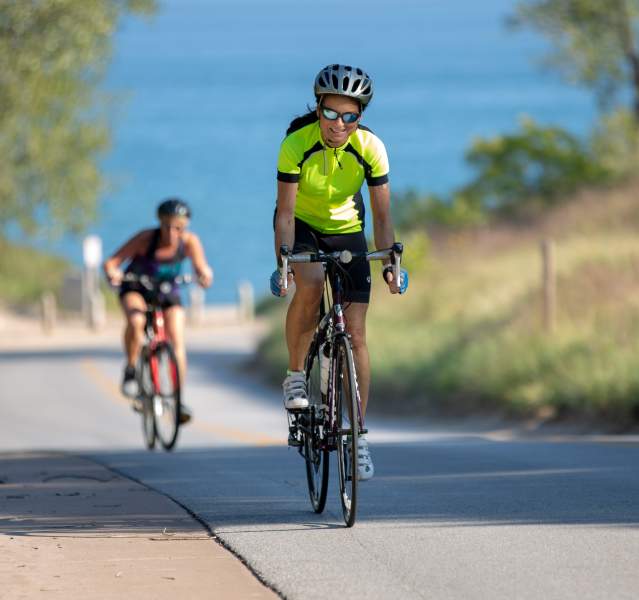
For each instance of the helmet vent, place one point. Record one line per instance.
(344, 80)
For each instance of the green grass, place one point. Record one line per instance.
(26, 273)
(468, 336)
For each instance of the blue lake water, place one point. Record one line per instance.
(208, 89)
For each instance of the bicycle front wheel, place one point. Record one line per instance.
(166, 400)
(145, 384)
(347, 426)
(315, 451)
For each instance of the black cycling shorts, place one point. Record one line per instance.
(357, 279)
(173, 298)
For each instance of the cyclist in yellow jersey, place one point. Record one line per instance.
(324, 160)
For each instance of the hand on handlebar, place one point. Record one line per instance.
(205, 277)
(389, 277)
(115, 277)
(277, 283)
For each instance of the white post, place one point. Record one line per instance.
(48, 312)
(246, 306)
(93, 303)
(196, 308)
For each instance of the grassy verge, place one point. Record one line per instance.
(469, 334)
(26, 273)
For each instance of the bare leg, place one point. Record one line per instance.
(356, 326)
(174, 321)
(303, 311)
(134, 308)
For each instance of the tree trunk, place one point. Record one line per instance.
(626, 33)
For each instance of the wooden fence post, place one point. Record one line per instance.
(549, 285)
(48, 312)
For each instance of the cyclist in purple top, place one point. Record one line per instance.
(158, 253)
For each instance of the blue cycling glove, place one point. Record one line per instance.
(403, 280)
(403, 277)
(276, 288)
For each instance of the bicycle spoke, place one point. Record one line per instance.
(166, 400)
(347, 429)
(314, 444)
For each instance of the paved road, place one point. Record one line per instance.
(451, 513)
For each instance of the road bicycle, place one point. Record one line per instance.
(158, 375)
(333, 420)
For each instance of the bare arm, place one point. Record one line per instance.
(195, 251)
(285, 219)
(132, 247)
(383, 224)
(285, 216)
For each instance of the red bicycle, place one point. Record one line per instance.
(157, 369)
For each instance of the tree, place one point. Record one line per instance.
(534, 167)
(52, 131)
(595, 42)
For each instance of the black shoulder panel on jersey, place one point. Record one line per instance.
(316, 148)
(360, 159)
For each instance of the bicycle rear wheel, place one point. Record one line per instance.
(166, 400)
(347, 423)
(315, 451)
(146, 396)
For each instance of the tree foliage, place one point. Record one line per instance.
(52, 131)
(536, 165)
(518, 174)
(594, 42)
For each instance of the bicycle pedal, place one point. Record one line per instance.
(294, 442)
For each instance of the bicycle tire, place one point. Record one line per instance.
(316, 455)
(166, 399)
(347, 425)
(146, 396)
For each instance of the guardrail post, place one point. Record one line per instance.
(196, 306)
(48, 312)
(246, 306)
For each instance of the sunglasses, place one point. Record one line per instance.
(347, 117)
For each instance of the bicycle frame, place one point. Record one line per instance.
(156, 335)
(155, 329)
(336, 319)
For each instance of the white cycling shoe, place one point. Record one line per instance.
(365, 468)
(295, 395)
(130, 387)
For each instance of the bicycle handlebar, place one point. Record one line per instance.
(152, 283)
(342, 256)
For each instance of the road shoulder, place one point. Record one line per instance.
(73, 528)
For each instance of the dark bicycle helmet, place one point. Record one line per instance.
(174, 207)
(344, 80)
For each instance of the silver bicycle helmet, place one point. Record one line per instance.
(344, 80)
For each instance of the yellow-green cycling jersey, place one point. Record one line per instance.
(329, 180)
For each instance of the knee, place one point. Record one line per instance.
(135, 324)
(358, 338)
